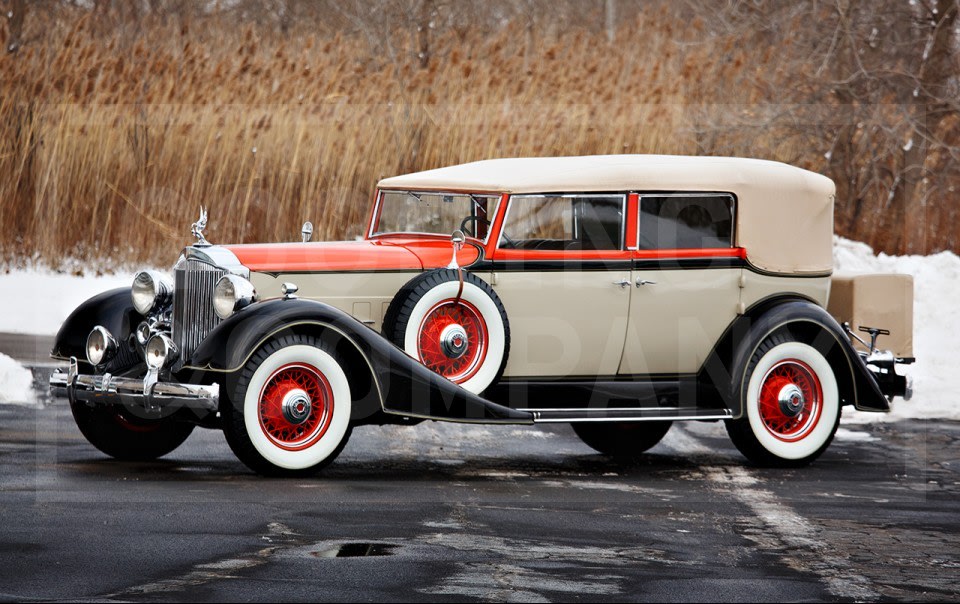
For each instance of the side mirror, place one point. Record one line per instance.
(457, 240)
(307, 231)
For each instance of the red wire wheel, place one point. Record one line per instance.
(453, 340)
(296, 406)
(791, 400)
(134, 424)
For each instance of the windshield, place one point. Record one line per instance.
(435, 212)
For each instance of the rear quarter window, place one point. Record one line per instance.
(686, 221)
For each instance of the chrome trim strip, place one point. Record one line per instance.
(375, 218)
(463, 420)
(600, 410)
(640, 418)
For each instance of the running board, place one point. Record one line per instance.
(626, 414)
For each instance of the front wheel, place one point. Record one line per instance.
(791, 405)
(122, 435)
(289, 412)
(622, 439)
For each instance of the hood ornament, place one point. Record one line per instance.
(197, 228)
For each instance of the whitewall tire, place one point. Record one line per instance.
(290, 410)
(791, 405)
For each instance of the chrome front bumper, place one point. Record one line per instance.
(149, 393)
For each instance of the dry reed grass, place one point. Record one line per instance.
(108, 145)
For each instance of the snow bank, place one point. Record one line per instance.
(16, 382)
(936, 327)
(38, 301)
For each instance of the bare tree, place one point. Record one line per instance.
(425, 23)
(934, 104)
(610, 14)
(875, 85)
(16, 16)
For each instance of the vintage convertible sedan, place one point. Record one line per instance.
(615, 293)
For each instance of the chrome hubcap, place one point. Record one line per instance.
(791, 400)
(296, 406)
(453, 341)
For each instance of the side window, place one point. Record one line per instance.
(686, 221)
(564, 222)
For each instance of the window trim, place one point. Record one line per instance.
(621, 245)
(733, 216)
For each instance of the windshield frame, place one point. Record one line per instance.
(495, 196)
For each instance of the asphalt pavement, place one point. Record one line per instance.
(440, 512)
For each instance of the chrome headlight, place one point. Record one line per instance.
(101, 346)
(150, 289)
(143, 333)
(160, 351)
(232, 294)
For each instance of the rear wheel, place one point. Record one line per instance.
(791, 405)
(289, 412)
(624, 439)
(121, 434)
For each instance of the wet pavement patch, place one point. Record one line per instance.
(356, 550)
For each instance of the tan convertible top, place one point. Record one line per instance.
(784, 214)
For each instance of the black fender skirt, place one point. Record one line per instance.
(805, 321)
(402, 385)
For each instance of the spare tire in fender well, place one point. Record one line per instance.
(719, 376)
(469, 304)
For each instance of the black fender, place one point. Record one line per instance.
(385, 377)
(113, 310)
(805, 321)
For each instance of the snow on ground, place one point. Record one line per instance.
(37, 302)
(936, 327)
(16, 382)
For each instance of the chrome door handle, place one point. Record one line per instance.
(642, 282)
(623, 283)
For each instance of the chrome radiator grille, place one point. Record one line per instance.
(193, 314)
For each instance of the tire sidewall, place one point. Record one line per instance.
(816, 439)
(328, 444)
(496, 330)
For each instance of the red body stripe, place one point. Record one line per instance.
(630, 235)
(724, 252)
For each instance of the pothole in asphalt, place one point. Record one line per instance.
(356, 550)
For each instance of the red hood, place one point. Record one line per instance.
(346, 256)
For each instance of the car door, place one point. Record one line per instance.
(686, 282)
(562, 272)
